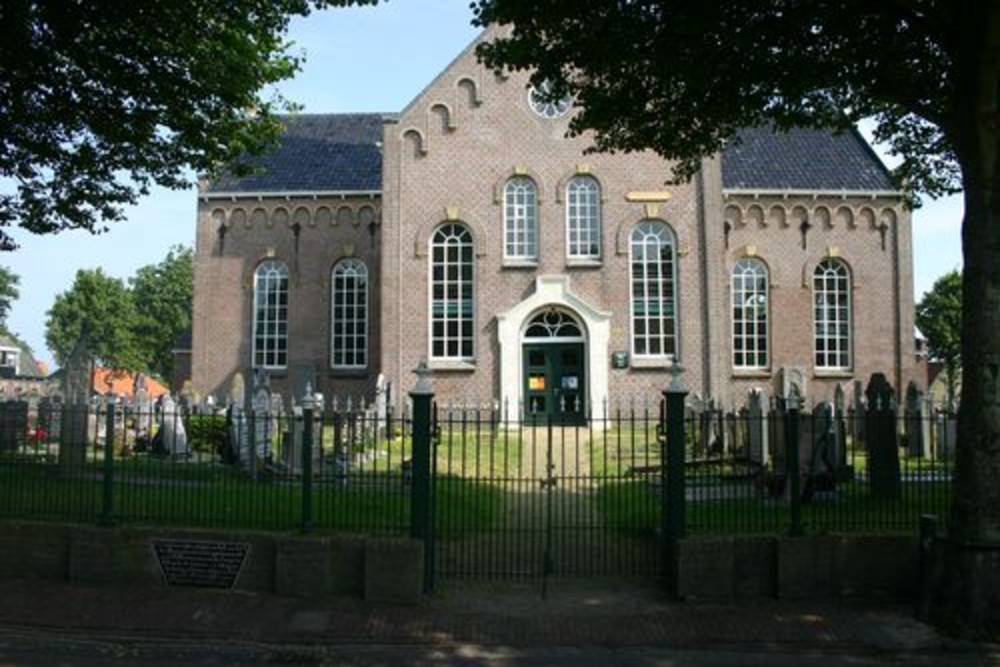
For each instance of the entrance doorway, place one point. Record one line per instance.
(554, 369)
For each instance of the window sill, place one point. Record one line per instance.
(752, 374)
(583, 263)
(651, 363)
(840, 374)
(520, 263)
(349, 372)
(445, 366)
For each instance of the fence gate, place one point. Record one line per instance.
(513, 500)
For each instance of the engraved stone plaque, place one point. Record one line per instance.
(200, 563)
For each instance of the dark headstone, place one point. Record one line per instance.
(880, 432)
(13, 425)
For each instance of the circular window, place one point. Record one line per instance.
(537, 100)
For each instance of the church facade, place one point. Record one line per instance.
(469, 232)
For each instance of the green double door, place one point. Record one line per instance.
(555, 383)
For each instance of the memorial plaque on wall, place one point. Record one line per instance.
(200, 563)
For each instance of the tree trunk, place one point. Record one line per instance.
(968, 595)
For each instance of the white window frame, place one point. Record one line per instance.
(460, 347)
(832, 316)
(520, 219)
(349, 296)
(583, 219)
(655, 234)
(750, 308)
(270, 283)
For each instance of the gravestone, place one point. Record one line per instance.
(75, 426)
(793, 382)
(821, 464)
(173, 435)
(237, 391)
(756, 427)
(845, 471)
(913, 419)
(293, 450)
(881, 439)
(260, 418)
(50, 416)
(381, 404)
(947, 436)
(303, 378)
(13, 425)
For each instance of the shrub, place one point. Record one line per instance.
(208, 434)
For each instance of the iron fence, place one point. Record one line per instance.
(491, 496)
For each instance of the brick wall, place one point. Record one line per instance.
(330, 229)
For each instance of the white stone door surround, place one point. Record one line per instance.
(552, 290)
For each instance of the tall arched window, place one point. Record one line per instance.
(654, 302)
(520, 219)
(750, 330)
(349, 315)
(452, 304)
(270, 319)
(832, 314)
(583, 218)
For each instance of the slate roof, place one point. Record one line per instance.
(803, 159)
(342, 153)
(317, 153)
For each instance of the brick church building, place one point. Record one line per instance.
(469, 232)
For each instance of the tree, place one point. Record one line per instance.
(99, 310)
(8, 294)
(682, 77)
(99, 101)
(162, 295)
(939, 316)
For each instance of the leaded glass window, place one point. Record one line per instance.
(832, 315)
(452, 296)
(653, 285)
(583, 218)
(520, 219)
(270, 321)
(750, 314)
(349, 315)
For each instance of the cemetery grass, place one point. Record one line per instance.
(376, 503)
(632, 507)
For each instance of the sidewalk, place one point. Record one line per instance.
(513, 617)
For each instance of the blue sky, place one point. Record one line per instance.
(359, 59)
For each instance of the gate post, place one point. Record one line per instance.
(792, 464)
(421, 521)
(672, 465)
(108, 486)
(308, 411)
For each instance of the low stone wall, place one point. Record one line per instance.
(867, 567)
(377, 569)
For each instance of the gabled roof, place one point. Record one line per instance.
(122, 383)
(317, 153)
(803, 159)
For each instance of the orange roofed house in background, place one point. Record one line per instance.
(107, 381)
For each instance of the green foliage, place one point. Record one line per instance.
(127, 327)
(162, 294)
(207, 434)
(98, 309)
(939, 317)
(683, 77)
(8, 294)
(101, 101)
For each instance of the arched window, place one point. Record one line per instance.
(270, 319)
(654, 303)
(349, 315)
(832, 314)
(520, 219)
(750, 330)
(452, 304)
(583, 218)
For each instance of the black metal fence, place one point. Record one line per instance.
(490, 495)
